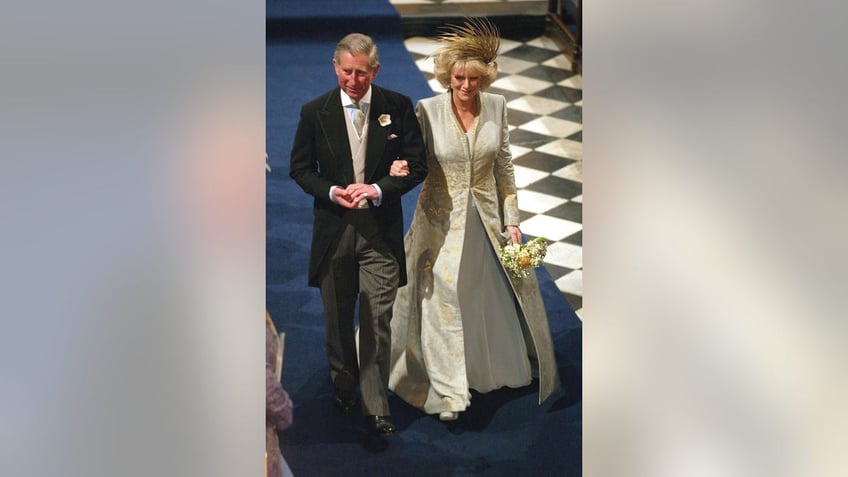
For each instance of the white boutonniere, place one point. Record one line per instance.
(384, 120)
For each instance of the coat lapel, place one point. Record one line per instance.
(377, 134)
(332, 120)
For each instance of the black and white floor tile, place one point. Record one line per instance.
(545, 101)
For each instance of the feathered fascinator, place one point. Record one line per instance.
(477, 38)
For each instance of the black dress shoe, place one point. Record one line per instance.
(380, 425)
(344, 401)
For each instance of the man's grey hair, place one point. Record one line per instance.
(355, 43)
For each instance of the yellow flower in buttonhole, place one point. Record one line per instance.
(384, 120)
(519, 259)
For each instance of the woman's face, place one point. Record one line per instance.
(465, 82)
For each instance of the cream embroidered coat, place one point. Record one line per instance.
(434, 247)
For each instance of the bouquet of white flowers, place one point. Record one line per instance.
(520, 258)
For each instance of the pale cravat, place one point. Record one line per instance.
(358, 119)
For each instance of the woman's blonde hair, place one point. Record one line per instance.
(472, 46)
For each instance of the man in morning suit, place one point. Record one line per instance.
(345, 143)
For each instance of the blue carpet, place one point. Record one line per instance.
(504, 432)
(330, 19)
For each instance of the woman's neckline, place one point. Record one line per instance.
(473, 111)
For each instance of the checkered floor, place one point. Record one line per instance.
(545, 104)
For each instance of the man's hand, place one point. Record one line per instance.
(343, 198)
(357, 192)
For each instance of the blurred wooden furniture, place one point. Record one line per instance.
(568, 16)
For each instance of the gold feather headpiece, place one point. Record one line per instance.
(477, 38)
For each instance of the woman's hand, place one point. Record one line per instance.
(399, 168)
(514, 233)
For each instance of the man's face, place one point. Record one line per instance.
(354, 74)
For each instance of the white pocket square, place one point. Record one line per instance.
(392, 136)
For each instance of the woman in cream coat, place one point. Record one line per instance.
(462, 322)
